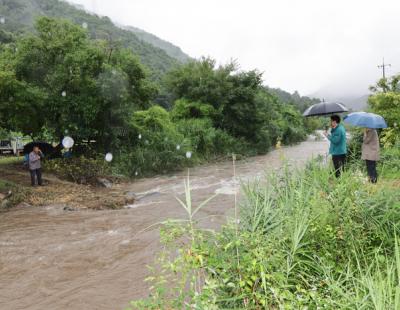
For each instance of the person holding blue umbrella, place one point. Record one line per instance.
(370, 152)
(370, 147)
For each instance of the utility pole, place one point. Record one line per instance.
(383, 66)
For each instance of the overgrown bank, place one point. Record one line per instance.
(307, 240)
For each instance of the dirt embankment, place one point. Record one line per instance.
(16, 189)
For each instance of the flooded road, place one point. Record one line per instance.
(56, 259)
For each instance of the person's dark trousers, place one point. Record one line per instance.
(371, 168)
(36, 173)
(338, 163)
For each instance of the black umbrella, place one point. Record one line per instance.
(45, 147)
(325, 108)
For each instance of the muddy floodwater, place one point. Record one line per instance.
(56, 259)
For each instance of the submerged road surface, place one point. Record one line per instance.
(56, 259)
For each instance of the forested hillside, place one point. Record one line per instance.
(18, 16)
(301, 102)
(169, 48)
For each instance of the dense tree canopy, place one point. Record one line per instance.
(241, 105)
(62, 81)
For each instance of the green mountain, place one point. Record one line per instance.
(301, 102)
(18, 17)
(172, 50)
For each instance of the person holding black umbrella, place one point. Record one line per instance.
(337, 135)
(35, 167)
(338, 147)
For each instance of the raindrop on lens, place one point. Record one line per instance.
(140, 136)
(84, 25)
(178, 147)
(109, 157)
(2, 20)
(136, 173)
(64, 93)
(188, 154)
(68, 142)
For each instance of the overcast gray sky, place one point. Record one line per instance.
(330, 47)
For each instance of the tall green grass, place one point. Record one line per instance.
(306, 240)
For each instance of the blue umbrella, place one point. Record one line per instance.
(364, 119)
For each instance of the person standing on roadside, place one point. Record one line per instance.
(370, 152)
(35, 166)
(338, 147)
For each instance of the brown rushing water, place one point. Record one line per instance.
(56, 259)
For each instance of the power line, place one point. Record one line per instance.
(383, 66)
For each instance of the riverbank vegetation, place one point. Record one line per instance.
(307, 240)
(58, 81)
(302, 239)
(386, 102)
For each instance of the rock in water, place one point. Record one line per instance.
(104, 182)
(130, 198)
(68, 208)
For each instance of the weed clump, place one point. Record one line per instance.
(11, 194)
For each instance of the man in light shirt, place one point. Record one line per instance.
(35, 166)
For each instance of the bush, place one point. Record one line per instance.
(293, 135)
(14, 194)
(206, 140)
(292, 128)
(152, 158)
(184, 109)
(387, 104)
(390, 162)
(354, 145)
(158, 148)
(81, 170)
(311, 124)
